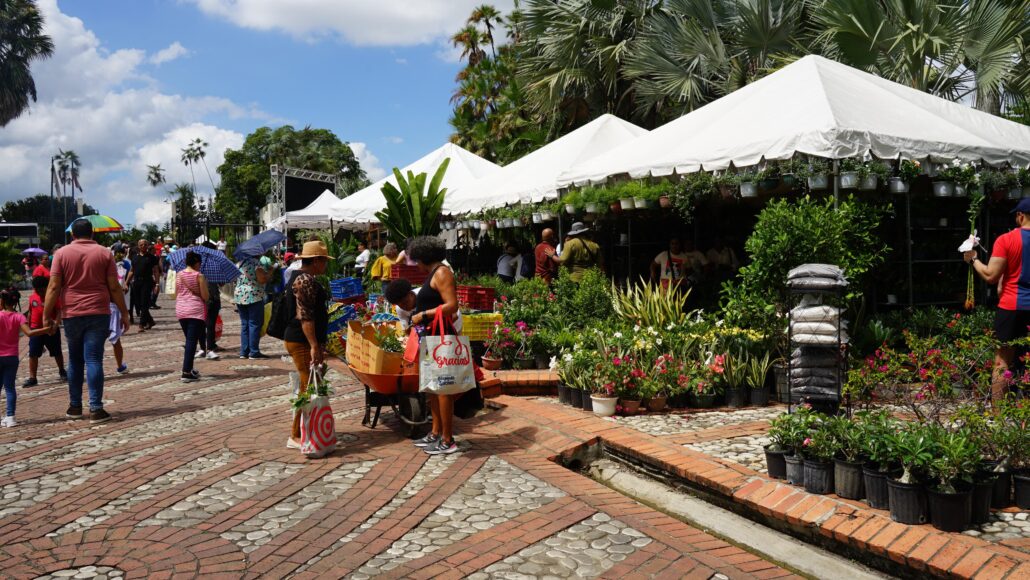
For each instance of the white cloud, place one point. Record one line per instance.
(360, 22)
(394, 140)
(401, 60)
(173, 51)
(368, 161)
(98, 103)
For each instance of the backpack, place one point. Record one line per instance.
(283, 312)
(528, 268)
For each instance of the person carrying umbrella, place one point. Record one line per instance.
(250, 293)
(191, 310)
(217, 269)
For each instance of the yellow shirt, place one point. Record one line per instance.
(381, 268)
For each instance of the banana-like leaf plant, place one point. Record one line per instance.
(412, 210)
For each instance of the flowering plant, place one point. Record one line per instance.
(820, 443)
(508, 342)
(790, 430)
(909, 170)
(695, 379)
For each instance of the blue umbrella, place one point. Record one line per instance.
(34, 252)
(214, 265)
(259, 244)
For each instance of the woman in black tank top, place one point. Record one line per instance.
(438, 291)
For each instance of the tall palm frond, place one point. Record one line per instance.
(21, 43)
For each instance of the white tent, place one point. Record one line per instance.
(534, 177)
(817, 107)
(358, 210)
(315, 215)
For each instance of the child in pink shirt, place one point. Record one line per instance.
(11, 322)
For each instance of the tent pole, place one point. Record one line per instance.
(836, 183)
(908, 245)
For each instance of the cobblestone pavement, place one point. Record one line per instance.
(674, 423)
(195, 480)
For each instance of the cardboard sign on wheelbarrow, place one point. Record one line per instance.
(365, 355)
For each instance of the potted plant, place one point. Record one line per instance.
(540, 343)
(906, 495)
(816, 174)
(779, 446)
(749, 183)
(757, 371)
(944, 181)
(727, 183)
(961, 175)
(819, 449)
(734, 376)
(523, 358)
(950, 496)
(875, 428)
(1016, 436)
(658, 381)
(847, 463)
(850, 173)
(498, 347)
(871, 174)
(794, 428)
(908, 171)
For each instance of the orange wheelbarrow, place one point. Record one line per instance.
(400, 393)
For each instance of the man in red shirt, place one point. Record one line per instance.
(546, 266)
(85, 281)
(50, 342)
(1013, 316)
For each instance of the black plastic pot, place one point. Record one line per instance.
(983, 490)
(818, 476)
(1001, 496)
(563, 394)
(587, 404)
(847, 479)
(950, 512)
(736, 397)
(759, 397)
(907, 502)
(795, 469)
(543, 362)
(1021, 481)
(775, 463)
(575, 397)
(875, 483)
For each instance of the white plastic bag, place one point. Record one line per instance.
(445, 362)
(317, 426)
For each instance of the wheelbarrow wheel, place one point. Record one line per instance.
(413, 413)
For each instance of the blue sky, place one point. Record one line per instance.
(132, 81)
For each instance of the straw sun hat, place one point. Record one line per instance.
(314, 250)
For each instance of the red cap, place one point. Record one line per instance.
(289, 256)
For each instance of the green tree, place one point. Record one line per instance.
(245, 177)
(68, 166)
(21, 42)
(155, 175)
(411, 209)
(48, 212)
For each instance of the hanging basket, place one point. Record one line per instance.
(819, 181)
(869, 183)
(748, 189)
(849, 180)
(943, 189)
(570, 209)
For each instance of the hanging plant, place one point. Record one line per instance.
(976, 202)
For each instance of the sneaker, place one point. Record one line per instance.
(8, 421)
(291, 444)
(212, 355)
(243, 356)
(259, 356)
(190, 376)
(73, 412)
(31, 382)
(63, 374)
(123, 368)
(99, 416)
(442, 448)
(429, 440)
(199, 354)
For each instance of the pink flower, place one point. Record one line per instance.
(521, 325)
(616, 361)
(807, 442)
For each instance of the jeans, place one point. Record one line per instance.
(212, 316)
(8, 372)
(86, 336)
(141, 300)
(193, 328)
(251, 318)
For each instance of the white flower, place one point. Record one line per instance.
(617, 335)
(567, 357)
(672, 325)
(719, 323)
(553, 365)
(636, 328)
(955, 163)
(658, 341)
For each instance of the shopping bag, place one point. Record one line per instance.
(445, 361)
(265, 319)
(218, 327)
(317, 426)
(170, 283)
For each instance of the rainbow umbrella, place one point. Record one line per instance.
(101, 223)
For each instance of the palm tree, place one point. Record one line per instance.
(68, 165)
(155, 175)
(21, 42)
(488, 16)
(470, 39)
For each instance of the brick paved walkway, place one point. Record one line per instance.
(195, 479)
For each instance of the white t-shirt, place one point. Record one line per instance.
(405, 315)
(221, 245)
(362, 260)
(672, 266)
(508, 265)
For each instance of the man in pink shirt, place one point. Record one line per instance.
(84, 278)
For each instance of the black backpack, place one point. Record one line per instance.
(283, 312)
(528, 268)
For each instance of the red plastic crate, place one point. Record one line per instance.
(410, 273)
(476, 297)
(358, 299)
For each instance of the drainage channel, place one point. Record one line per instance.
(667, 493)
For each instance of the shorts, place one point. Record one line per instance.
(51, 342)
(116, 325)
(1011, 324)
